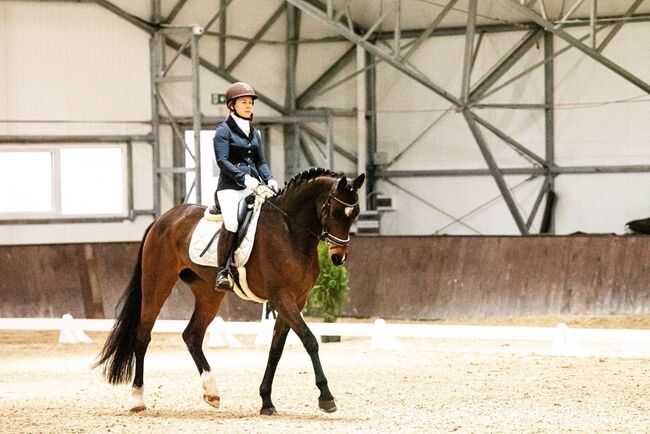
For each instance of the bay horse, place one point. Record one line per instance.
(283, 266)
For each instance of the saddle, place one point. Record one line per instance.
(244, 216)
(203, 249)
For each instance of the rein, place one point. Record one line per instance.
(324, 235)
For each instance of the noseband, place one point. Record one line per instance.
(325, 234)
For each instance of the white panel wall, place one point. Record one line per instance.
(79, 63)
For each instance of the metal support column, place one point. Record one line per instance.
(371, 122)
(222, 33)
(160, 78)
(362, 127)
(291, 138)
(549, 118)
(196, 111)
(155, 66)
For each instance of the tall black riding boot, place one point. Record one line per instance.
(224, 250)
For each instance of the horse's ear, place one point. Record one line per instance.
(358, 181)
(340, 186)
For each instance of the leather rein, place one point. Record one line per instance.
(325, 235)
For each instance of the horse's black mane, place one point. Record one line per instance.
(304, 176)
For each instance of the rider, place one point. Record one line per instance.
(240, 157)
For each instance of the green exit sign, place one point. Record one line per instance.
(218, 98)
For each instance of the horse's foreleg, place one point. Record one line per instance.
(291, 314)
(280, 332)
(205, 310)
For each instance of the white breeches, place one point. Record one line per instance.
(229, 202)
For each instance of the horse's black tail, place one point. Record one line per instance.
(119, 348)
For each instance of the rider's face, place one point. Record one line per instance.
(244, 106)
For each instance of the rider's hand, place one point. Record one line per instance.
(251, 182)
(264, 191)
(273, 185)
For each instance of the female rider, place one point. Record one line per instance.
(240, 157)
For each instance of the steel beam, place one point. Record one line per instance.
(538, 201)
(431, 205)
(496, 172)
(568, 170)
(527, 153)
(549, 116)
(291, 137)
(175, 10)
(594, 54)
(156, 66)
(313, 90)
(571, 10)
(469, 49)
(535, 66)
(397, 40)
(143, 24)
(429, 30)
(504, 66)
(319, 16)
(618, 25)
(222, 33)
(260, 33)
(196, 112)
(401, 153)
(9, 139)
(309, 155)
(593, 15)
(371, 121)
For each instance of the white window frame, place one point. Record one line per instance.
(56, 213)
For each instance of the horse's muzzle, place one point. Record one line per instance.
(338, 255)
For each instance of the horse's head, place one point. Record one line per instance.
(339, 211)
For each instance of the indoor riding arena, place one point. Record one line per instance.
(297, 216)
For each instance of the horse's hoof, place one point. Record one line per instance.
(138, 408)
(270, 411)
(328, 406)
(212, 400)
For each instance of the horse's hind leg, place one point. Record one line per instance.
(156, 287)
(205, 308)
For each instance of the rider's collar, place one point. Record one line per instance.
(242, 123)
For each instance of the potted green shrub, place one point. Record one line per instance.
(330, 291)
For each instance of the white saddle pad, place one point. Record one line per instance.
(204, 232)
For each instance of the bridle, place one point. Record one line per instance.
(325, 234)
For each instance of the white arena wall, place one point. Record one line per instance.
(78, 62)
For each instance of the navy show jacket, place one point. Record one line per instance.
(238, 155)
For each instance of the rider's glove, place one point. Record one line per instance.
(273, 185)
(264, 191)
(251, 182)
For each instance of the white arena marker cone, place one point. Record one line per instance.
(562, 345)
(218, 338)
(69, 333)
(382, 339)
(265, 332)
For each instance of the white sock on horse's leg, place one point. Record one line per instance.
(137, 399)
(210, 389)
